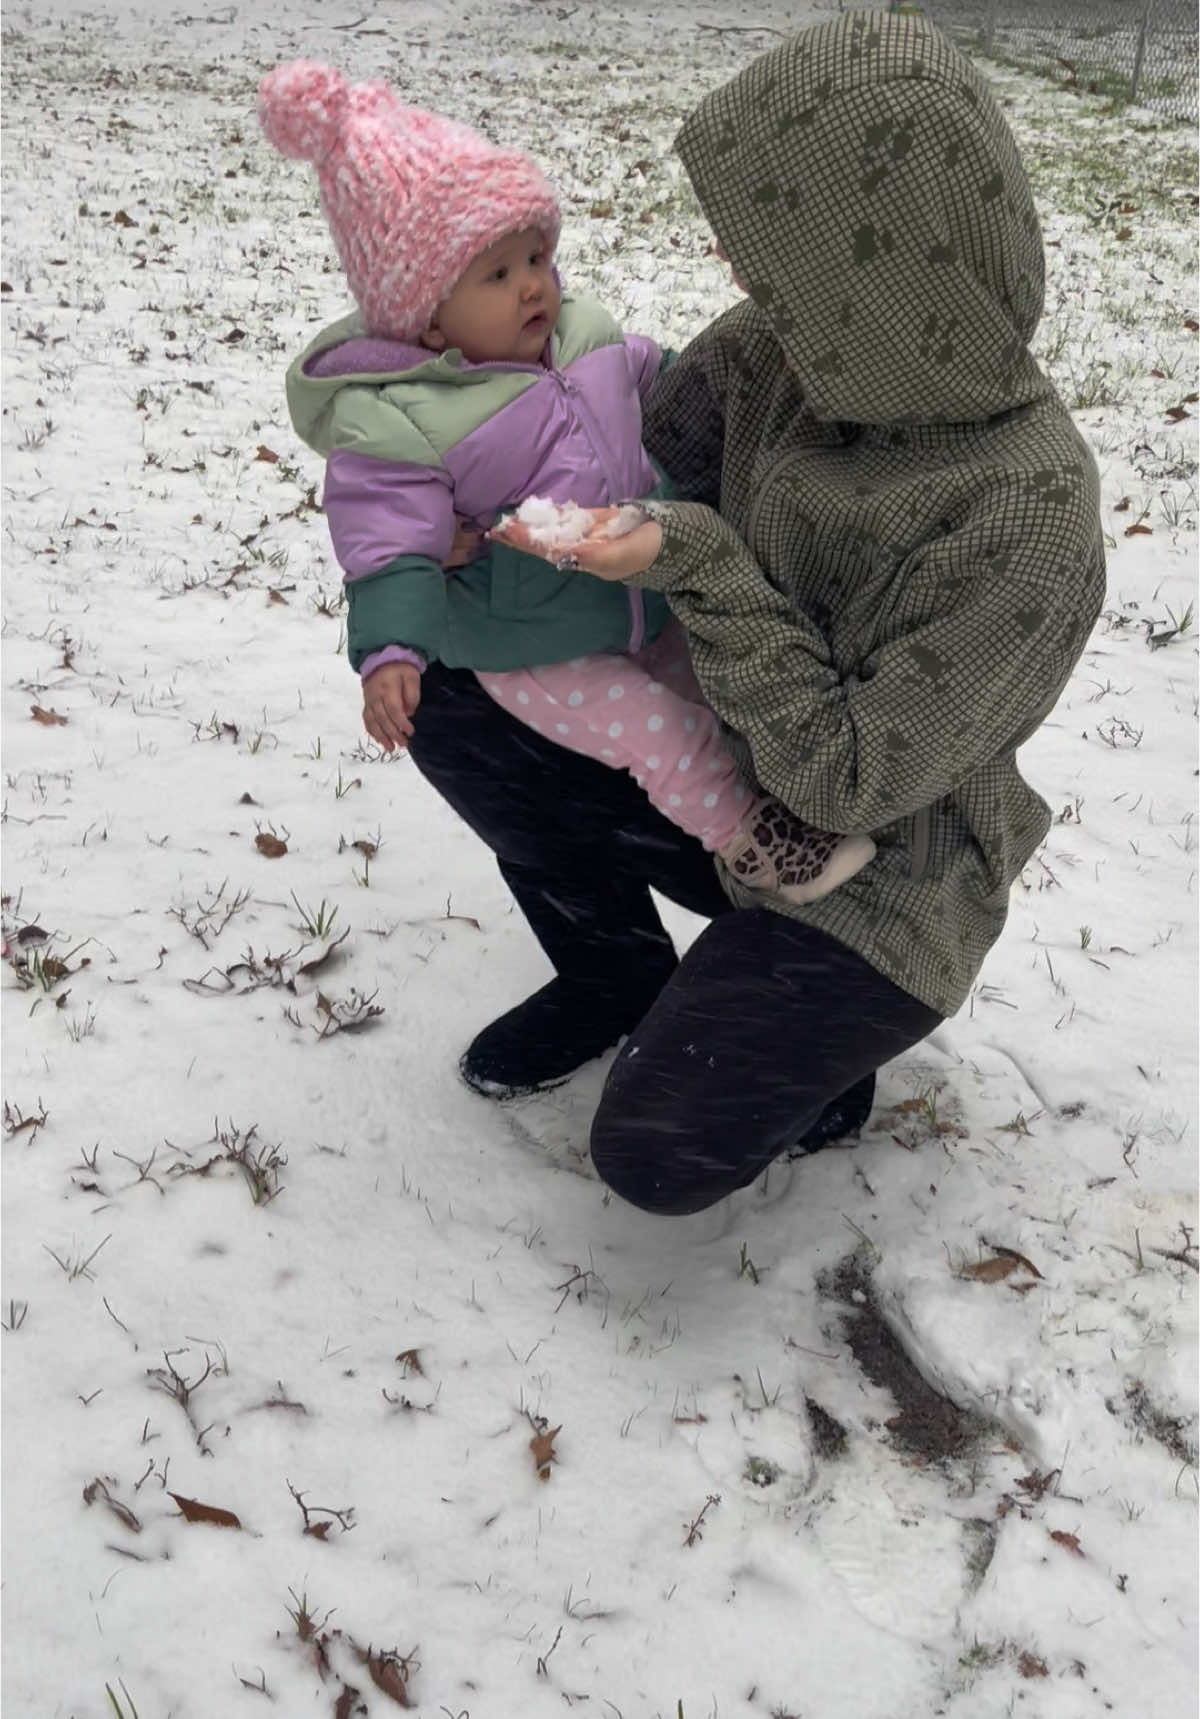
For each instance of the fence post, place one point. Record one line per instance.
(989, 26)
(1140, 56)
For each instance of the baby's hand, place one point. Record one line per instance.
(465, 546)
(390, 698)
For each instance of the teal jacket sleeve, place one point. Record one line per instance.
(403, 603)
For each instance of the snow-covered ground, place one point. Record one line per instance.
(496, 1446)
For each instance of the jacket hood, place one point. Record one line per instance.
(866, 189)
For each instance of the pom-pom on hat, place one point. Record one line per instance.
(410, 198)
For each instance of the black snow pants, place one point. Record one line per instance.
(760, 1038)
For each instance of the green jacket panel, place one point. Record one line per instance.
(458, 618)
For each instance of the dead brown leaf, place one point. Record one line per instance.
(990, 1270)
(1070, 1541)
(271, 847)
(324, 958)
(1037, 1483)
(1122, 506)
(544, 1454)
(318, 1530)
(47, 718)
(121, 219)
(1020, 1258)
(410, 1360)
(1177, 413)
(1123, 233)
(1029, 1665)
(1004, 1262)
(12, 1128)
(389, 1673)
(194, 1511)
(343, 1707)
(601, 211)
(1138, 531)
(274, 596)
(267, 454)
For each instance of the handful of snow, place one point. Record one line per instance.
(562, 525)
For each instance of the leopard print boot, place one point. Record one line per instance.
(779, 854)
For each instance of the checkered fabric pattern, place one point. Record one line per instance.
(908, 558)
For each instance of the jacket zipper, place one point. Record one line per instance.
(922, 836)
(587, 424)
(756, 505)
(574, 397)
(637, 620)
(586, 421)
(583, 415)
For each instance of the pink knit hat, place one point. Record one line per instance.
(410, 198)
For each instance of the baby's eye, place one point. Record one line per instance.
(500, 273)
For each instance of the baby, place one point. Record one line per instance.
(467, 384)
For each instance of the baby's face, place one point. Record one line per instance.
(504, 305)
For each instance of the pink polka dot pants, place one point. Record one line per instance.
(643, 713)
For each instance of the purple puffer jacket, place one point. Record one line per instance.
(412, 441)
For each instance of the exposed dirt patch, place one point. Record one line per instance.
(926, 1424)
(1171, 1431)
(980, 1537)
(828, 1434)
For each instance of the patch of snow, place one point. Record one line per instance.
(261, 1243)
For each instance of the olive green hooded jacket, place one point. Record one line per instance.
(907, 560)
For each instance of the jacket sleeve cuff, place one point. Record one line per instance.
(390, 654)
(692, 535)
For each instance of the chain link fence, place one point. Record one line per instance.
(1138, 51)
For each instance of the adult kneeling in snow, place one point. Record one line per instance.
(888, 558)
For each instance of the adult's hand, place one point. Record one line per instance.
(604, 556)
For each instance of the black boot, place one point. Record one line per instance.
(580, 846)
(844, 1116)
(546, 1038)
